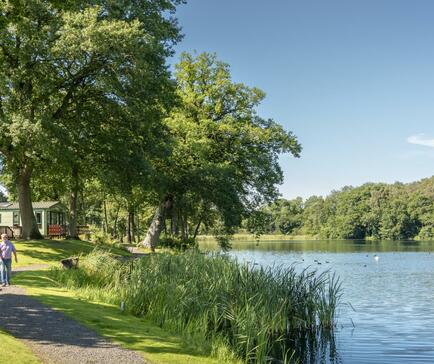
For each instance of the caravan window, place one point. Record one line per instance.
(38, 216)
(16, 218)
(53, 218)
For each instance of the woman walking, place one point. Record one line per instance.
(6, 250)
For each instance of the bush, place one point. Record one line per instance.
(99, 237)
(178, 243)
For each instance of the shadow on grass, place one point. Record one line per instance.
(52, 251)
(40, 323)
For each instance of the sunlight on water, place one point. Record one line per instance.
(389, 285)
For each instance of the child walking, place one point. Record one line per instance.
(6, 250)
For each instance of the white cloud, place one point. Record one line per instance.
(421, 139)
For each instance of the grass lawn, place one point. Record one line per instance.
(131, 332)
(52, 251)
(14, 351)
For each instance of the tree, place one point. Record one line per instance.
(67, 69)
(286, 215)
(225, 156)
(373, 210)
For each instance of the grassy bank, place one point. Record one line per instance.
(14, 351)
(228, 309)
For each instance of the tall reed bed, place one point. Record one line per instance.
(259, 314)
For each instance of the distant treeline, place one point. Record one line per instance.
(373, 210)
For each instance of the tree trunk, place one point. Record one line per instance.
(129, 228)
(73, 233)
(115, 224)
(133, 226)
(184, 226)
(157, 224)
(174, 222)
(28, 221)
(105, 217)
(197, 229)
(138, 227)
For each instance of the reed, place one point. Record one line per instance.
(257, 314)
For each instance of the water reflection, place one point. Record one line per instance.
(329, 246)
(318, 347)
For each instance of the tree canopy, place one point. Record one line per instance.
(91, 115)
(77, 75)
(373, 210)
(224, 161)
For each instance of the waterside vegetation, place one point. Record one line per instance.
(236, 311)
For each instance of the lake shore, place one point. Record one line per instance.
(265, 237)
(282, 237)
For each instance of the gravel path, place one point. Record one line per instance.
(55, 338)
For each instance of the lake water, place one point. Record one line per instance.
(392, 315)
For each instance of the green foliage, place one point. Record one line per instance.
(101, 238)
(257, 223)
(378, 211)
(260, 314)
(178, 243)
(224, 161)
(84, 89)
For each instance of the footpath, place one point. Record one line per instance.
(53, 337)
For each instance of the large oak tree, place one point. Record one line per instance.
(224, 162)
(77, 75)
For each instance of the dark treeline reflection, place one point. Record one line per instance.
(313, 347)
(331, 246)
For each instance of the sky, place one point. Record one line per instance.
(354, 80)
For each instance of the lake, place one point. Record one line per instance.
(387, 314)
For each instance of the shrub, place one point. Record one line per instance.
(178, 243)
(99, 237)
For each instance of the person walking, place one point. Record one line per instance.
(6, 251)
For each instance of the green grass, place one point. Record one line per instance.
(155, 344)
(50, 252)
(14, 351)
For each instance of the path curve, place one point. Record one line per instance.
(54, 337)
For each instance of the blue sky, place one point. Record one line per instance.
(354, 80)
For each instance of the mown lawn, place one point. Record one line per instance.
(14, 351)
(155, 344)
(52, 251)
